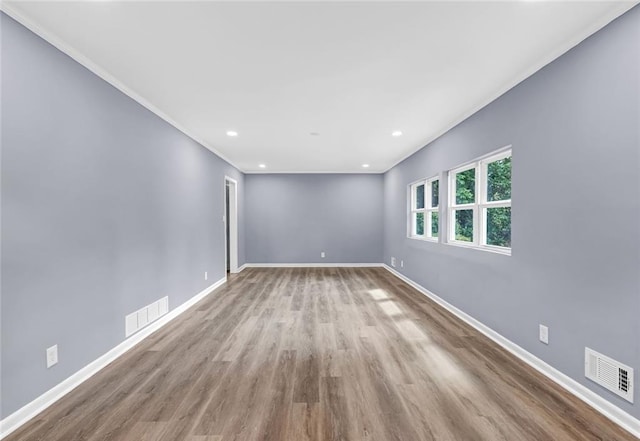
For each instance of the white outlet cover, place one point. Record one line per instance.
(393, 262)
(544, 334)
(206, 276)
(322, 254)
(402, 264)
(52, 356)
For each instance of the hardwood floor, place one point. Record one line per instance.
(318, 354)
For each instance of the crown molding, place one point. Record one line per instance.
(557, 52)
(105, 75)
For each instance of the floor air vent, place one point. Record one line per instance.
(609, 373)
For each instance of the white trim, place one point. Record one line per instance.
(556, 53)
(504, 151)
(609, 410)
(466, 166)
(427, 210)
(96, 69)
(242, 268)
(233, 224)
(480, 205)
(470, 246)
(30, 410)
(315, 172)
(425, 239)
(312, 265)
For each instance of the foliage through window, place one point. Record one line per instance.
(480, 203)
(424, 209)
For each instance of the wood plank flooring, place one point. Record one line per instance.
(318, 354)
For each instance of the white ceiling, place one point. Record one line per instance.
(351, 72)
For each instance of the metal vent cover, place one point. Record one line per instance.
(609, 373)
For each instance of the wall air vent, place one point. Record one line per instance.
(145, 316)
(609, 374)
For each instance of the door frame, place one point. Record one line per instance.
(233, 224)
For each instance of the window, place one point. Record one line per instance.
(424, 209)
(480, 203)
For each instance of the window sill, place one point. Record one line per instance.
(494, 250)
(424, 239)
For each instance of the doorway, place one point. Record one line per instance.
(231, 224)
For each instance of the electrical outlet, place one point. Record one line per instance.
(402, 264)
(393, 262)
(52, 356)
(206, 276)
(544, 334)
(322, 254)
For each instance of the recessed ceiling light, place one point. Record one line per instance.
(314, 134)
(365, 165)
(262, 165)
(396, 133)
(232, 133)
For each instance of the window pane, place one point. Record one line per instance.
(466, 187)
(420, 196)
(434, 193)
(434, 224)
(499, 226)
(464, 225)
(419, 224)
(499, 180)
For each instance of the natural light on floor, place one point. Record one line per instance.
(410, 331)
(438, 360)
(390, 308)
(378, 294)
(448, 370)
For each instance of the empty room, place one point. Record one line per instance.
(319, 220)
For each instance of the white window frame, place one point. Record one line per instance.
(427, 210)
(480, 206)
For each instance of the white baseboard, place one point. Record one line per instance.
(240, 269)
(30, 410)
(614, 413)
(312, 265)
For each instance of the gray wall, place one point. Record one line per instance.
(575, 131)
(291, 218)
(105, 208)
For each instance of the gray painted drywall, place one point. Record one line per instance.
(291, 218)
(105, 209)
(575, 131)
